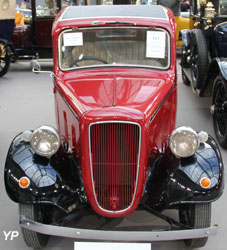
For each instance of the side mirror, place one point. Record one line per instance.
(36, 68)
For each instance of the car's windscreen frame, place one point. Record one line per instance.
(168, 51)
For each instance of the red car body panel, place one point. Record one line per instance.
(143, 96)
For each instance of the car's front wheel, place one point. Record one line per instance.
(199, 58)
(196, 216)
(219, 104)
(31, 238)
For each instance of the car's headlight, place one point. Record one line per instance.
(45, 141)
(184, 142)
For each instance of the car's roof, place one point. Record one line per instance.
(101, 11)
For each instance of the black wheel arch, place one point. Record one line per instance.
(186, 37)
(216, 66)
(56, 187)
(177, 185)
(4, 41)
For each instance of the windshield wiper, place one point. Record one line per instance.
(98, 22)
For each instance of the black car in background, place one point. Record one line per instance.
(204, 59)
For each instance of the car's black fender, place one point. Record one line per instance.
(186, 37)
(176, 181)
(222, 65)
(216, 66)
(54, 180)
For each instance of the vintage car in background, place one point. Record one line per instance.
(33, 39)
(204, 59)
(29, 39)
(116, 149)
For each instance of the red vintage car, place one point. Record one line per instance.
(116, 148)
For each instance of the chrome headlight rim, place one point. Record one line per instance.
(45, 130)
(186, 131)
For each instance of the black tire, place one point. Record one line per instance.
(196, 216)
(219, 102)
(199, 58)
(4, 60)
(184, 78)
(31, 238)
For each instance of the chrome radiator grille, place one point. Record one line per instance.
(114, 156)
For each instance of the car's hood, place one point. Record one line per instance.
(142, 92)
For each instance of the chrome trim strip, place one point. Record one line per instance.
(124, 236)
(118, 17)
(219, 25)
(138, 164)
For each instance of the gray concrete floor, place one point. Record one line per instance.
(26, 101)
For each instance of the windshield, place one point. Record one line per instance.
(223, 7)
(118, 46)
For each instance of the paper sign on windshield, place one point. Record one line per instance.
(156, 42)
(73, 39)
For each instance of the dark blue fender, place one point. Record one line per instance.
(220, 39)
(222, 64)
(55, 181)
(176, 181)
(186, 37)
(4, 41)
(216, 66)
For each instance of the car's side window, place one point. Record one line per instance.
(46, 8)
(65, 3)
(223, 7)
(195, 5)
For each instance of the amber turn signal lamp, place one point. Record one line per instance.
(24, 182)
(205, 182)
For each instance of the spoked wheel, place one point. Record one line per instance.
(4, 60)
(196, 216)
(31, 238)
(199, 58)
(219, 104)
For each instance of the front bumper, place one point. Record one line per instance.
(123, 236)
